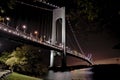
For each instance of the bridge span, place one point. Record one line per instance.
(19, 36)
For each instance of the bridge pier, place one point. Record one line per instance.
(52, 58)
(64, 60)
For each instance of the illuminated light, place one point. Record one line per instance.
(28, 37)
(44, 37)
(2, 11)
(40, 41)
(18, 34)
(14, 32)
(48, 42)
(10, 31)
(36, 32)
(7, 18)
(34, 39)
(24, 26)
(24, 36)
(5, 29)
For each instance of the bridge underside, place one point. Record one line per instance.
(70, 61)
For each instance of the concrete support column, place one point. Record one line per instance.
(52, 59)
(63, 37)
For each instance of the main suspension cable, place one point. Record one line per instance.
(34, 6)
(74, 36)
(46, 3)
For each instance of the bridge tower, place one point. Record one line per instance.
(58, 13)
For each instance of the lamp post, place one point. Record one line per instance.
(24, 28)
(36, 34)
(44, 38)
(7, 19)
(17, 28)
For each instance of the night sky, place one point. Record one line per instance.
(99, 44)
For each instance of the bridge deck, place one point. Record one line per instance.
(19, 36)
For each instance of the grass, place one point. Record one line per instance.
(17, 76)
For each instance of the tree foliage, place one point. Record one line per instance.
(25, 59)
(84, 8)
(94, 16)
(5, 5)
(4, 56)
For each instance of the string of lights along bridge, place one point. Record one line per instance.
(44, 27)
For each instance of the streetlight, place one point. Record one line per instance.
(8, 19)
(44, 38)
(36, 34)
(24, 28)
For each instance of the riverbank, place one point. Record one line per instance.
(68, 68)
(17, 76)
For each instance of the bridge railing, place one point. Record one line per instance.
(13, 31)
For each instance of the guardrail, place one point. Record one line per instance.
(4, 74)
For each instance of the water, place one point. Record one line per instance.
(104, 73)
(79, 74)
(82, 74)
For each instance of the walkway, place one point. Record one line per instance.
(4, 74)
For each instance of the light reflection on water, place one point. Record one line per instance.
(80, 74)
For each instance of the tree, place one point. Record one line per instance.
(25, 59)
(4, 56)
(5, 5)
(94, 16)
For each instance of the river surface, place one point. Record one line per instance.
(84, 74)
(79, 74)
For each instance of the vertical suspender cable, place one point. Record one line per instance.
(70, 42)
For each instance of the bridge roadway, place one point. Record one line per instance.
(19, 36)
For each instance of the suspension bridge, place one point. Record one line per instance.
(53, 35)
